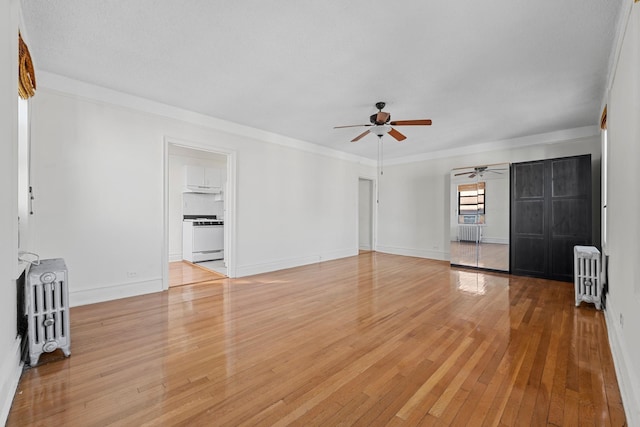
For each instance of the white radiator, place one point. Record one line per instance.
(586, 271)
(47, 308)
(469, 233)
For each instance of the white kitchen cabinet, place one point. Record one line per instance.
(194, 176)
(212, 178)
(202, 179)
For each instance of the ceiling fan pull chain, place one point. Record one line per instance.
(379, 167)
(380, 170)
(381, 156)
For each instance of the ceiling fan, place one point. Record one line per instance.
(381, 123)
(480, 170)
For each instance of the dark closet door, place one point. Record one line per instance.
(528, 220)
(550, 214)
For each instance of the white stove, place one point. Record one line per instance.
(202, 238)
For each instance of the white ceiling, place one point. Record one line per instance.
(482, 71)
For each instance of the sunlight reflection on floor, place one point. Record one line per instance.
(471, 282)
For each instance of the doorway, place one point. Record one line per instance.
(180, 203)
(365, 214)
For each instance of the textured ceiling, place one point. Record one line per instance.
(482, 71)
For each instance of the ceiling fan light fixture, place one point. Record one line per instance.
(380, 130)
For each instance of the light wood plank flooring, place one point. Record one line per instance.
(186, 273)
(484, 255)
(369, 340)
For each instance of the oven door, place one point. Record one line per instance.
(208, 238)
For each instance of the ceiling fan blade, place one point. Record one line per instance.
(350, 126)
(362, 135)
(397, 135)
(462, 173)
(421, 122)
(473, 175)
(382, 117)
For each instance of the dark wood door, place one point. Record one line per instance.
(528, 219)
(550, 214)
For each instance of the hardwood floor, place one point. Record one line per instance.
(492, 256)
(369, 340)
(186, 273)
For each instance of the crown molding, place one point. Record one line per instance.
(538, 139)
(71, 87)
(67, 86)
(614, 56)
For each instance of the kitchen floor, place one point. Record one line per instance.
(185, 273)
(217, 266)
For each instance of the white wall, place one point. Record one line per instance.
(415, 198)
(178, 158)
(9, 345)
(623, 205)
(98, 182)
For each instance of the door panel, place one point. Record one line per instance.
(529, 254)
(550, 214)
(561, 264)
(569, 217)
(528, 180)
(531, 217)
(570, 177)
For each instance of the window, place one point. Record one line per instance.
(471, 203)
(605, 172)
(24, 200)
(26, 89)
(604, 177)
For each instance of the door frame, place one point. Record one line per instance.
(230, 217)
(373, 207)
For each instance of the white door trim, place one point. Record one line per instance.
(230, 217)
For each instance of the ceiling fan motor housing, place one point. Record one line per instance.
(374, 119)
(381, 117)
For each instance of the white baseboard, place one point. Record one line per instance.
(281, 264)
(495, 240)
(10, 371)
(117, 291)
(624, 366)
(337, 254)
(419, 253)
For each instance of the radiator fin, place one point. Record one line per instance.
(587, 278)
(47, 309)
(469, 233)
